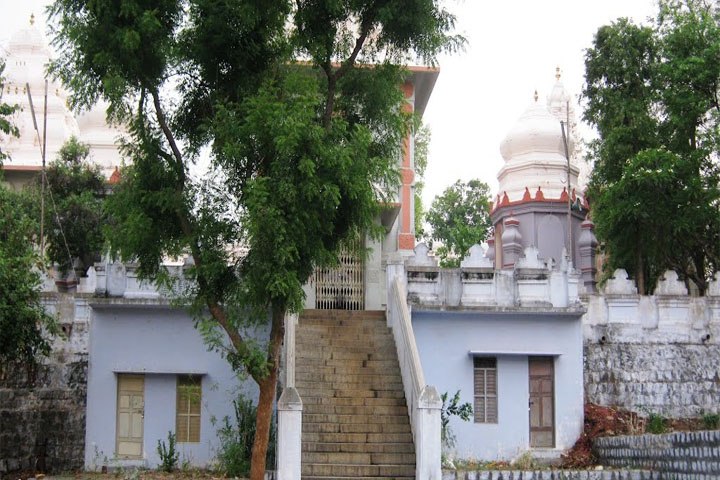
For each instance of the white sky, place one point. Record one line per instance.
(513, 49)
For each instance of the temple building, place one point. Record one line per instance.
(28, 55)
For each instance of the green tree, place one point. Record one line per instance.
(6, 126)
(302, 153)
(422, 143)
(75, 192)
(459, 219)
(25, 327)
(652, 95)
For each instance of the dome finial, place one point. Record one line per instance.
(535, 96)
(557, 73)
(32, 19)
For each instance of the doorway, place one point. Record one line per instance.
(130, 415)
(542, 401)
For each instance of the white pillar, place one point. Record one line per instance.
(289, 440)
(428, 448)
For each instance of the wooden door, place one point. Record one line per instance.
(130, 415)
(542, 401)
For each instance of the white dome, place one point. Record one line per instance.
(27, 58)
(534, 155)
(537, 131)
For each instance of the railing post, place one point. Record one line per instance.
(289, 439)
(291, 321)
(428, 463)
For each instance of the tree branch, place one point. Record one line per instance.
(216, 309)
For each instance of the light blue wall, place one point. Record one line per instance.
(444, 341)
(162, 343)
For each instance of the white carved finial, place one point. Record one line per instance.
(476, 258)
(670, 284)
(422, 256)
(620, 284)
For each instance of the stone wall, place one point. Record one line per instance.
(692, 455)
(42, 407)
(674, 380)
(653, 353)
(42, 416)
(553, 475)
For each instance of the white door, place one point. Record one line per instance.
(130, 415)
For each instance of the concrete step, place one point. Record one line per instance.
(301, 362)
(343, 370)
(315, 477)
(309, 388)
(354, 410)
(342, 470)
(351, 391)
(359, 437)
(356, 427)
(363, 418)
(359, 458)
(407, 448)
(355, 420)
(351, 401)
(321, 314)
(356, 377)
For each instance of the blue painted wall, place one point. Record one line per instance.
(163, 343)
(444, 341)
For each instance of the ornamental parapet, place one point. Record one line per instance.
(533, 282)
(618, 314)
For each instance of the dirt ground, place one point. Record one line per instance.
(608, 422)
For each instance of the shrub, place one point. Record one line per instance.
(236, 440)
(453, 408)
(168, 455)
(711, 421)
(656, 423)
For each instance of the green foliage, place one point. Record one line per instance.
(422, 143)
(302, 153)
(652, 95)
(656, 423)
(25, 327)
(459, 219)
(449, 409)
(74, 214)
(6, 110)
(168, 455)
(236, 440)
(711, 421)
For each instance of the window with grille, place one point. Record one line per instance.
(485, 379)
(189, 396)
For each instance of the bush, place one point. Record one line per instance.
(453, 408)
(168, 455)
(236, 440)
(656, 423)
(711, 421)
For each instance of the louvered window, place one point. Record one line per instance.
(189, 396)
(485, 378)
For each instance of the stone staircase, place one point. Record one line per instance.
(355, 419)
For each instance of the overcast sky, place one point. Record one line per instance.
(513, 48)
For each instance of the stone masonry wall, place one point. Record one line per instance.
(42, 417)
(553, 475)
(679, 455)
(42, 407)
(674, 380)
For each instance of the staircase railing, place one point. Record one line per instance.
(423, 401)
(289, 439)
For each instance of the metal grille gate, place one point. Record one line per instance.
(342, 287)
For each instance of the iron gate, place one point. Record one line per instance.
(342, 287)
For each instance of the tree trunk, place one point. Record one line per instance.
(267, 397)
(640, 274)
